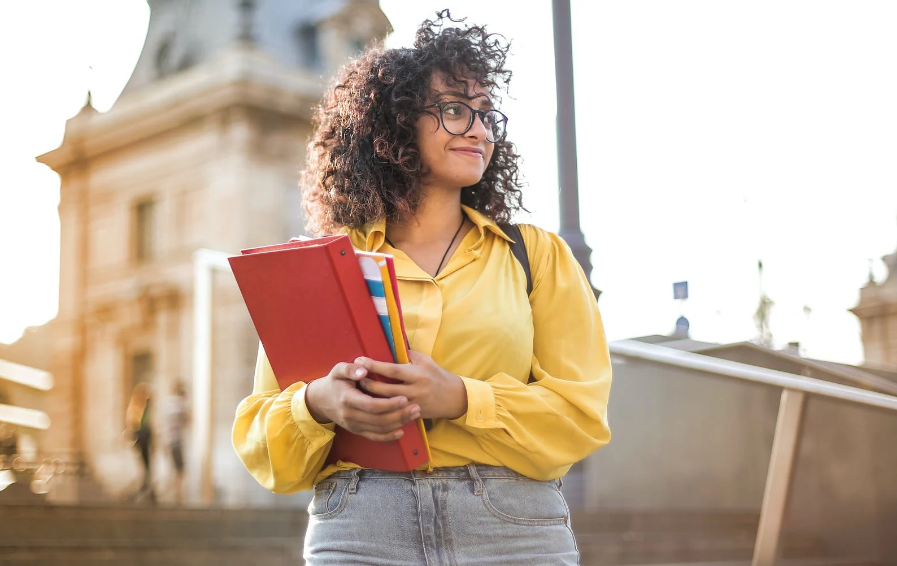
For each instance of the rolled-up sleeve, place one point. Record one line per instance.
(541, 428)
(275, 436)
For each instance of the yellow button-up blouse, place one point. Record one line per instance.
(475, 320)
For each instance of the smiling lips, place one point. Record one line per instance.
(469, 151)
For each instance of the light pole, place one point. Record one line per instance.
(566, 133)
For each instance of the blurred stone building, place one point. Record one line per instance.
(877, 311)
(202, 150)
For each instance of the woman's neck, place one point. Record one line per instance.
(436, 220)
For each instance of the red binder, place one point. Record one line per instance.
(311, 309)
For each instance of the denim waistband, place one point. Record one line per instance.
(470, 471)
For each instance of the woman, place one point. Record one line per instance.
(409, 158)
(177, 417)
(137, 425)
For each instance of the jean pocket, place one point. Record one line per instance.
(525, 502)
(331, 496)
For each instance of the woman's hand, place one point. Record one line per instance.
(335, 398)
(439, 393)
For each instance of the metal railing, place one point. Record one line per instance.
(29, 377)
(37, 473)
(14, 467)
(24, 375)
(795, 389)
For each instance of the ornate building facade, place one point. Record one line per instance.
(202, 150)
(877, 311)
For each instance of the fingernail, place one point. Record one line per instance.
(359, 372)
(364, 382)
(399, 434)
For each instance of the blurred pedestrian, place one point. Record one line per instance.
(177, 417)
(9, 440)
(138, 426)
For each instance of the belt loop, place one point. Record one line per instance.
(353, 482)
(477, 481)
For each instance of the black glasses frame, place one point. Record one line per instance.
(473, 116)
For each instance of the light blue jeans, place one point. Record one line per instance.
(474, 514)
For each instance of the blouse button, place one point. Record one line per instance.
(479, 418)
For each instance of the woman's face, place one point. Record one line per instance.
(454, 161)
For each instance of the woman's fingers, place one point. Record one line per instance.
(376, 418)
(401, 372)
(396, 417)
(346, 370)
(357, 400)
(418, 358)
(362, 413)
(388, 426)
(381, 423)
(375, 387)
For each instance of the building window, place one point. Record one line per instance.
(309, 53)
(145, 230)
(141, 368)
(165, 60)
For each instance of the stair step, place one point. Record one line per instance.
(267, 555)
(636, 548)
(620, 521)
(848, 561)
(27, 525)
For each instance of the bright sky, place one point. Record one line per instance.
(711, 134)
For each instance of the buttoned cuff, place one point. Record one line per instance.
(312, 430)
(481, 413)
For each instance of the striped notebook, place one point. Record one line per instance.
(380, 277)
(373, 277)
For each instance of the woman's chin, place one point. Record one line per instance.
(459, 179)
(468, 180)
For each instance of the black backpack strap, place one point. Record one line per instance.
(518, 248)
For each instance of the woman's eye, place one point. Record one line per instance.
(452, 110)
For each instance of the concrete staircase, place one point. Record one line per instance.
(32, 535)
(646, 537)
(138, 536)
(687, 538)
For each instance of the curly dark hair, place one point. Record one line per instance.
(363, 161)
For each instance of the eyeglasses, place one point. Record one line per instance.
(457, 119)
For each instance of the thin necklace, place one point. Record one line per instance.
(438, 269)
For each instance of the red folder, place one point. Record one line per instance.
(311, 309)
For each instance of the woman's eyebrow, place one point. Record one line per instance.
(487, 102)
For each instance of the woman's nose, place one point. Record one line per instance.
(478, 128)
